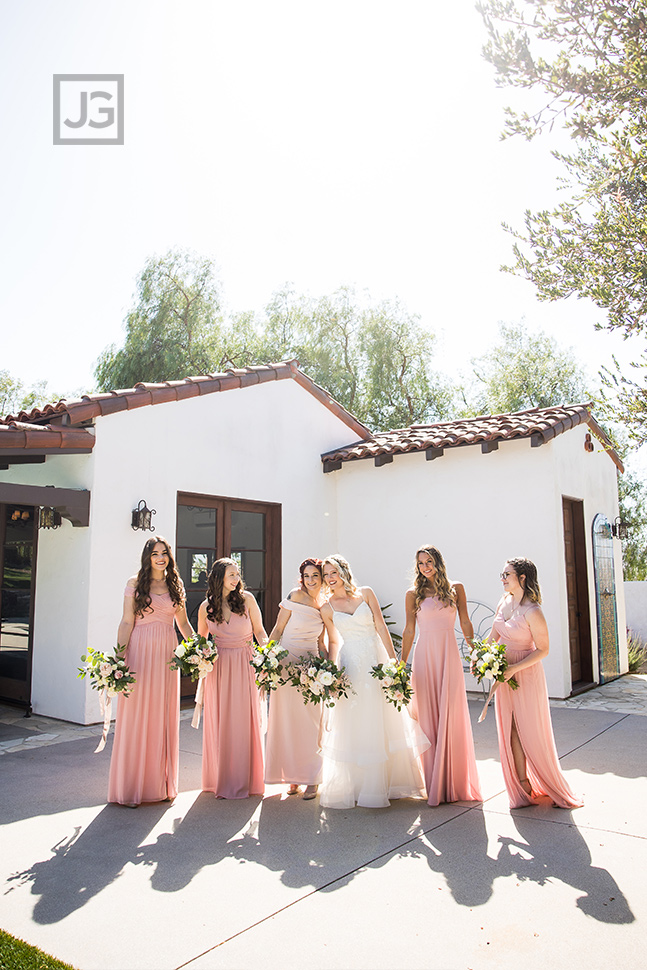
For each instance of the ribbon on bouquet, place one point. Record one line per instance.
(199, 701)
(324, 726)
(493, 688)
(105, 704)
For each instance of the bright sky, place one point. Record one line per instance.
(317, 144)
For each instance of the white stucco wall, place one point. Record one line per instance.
(260, 443)
(479, 510)
(636, 608)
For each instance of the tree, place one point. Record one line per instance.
(526, 370)
(15, 396)
(587, 60)
(375, 359)
(176, 329)
(632, 494)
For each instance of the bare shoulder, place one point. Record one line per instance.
(366, 592)
(326, 610)
(249, 597)
(458, 587)
(132, 582)
(296, 595)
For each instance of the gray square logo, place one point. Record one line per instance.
(88, 109)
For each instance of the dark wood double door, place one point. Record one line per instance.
(210, 527)
(18, 541)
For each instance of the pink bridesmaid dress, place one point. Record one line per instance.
(440, 705)
(528, 705)
(145, 755)
(232, 754)
(292, 747)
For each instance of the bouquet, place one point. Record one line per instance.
(266, 661)
(194, 657)
(111, 676)
(108, 673)
(395, 681)
(488, 662)
(318, 679)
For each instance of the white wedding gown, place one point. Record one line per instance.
(370, 749)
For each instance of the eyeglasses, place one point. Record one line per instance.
(505, 575)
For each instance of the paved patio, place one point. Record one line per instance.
(282, 883)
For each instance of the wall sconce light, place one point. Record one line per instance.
(588, 443)
(142, 516)
(49, 518)
(620, 529)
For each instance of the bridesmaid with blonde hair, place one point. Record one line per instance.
(439, 700)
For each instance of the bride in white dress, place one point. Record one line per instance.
(370, 750)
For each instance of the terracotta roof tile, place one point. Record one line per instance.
(44, 437)
(539, 424)
(91, 406)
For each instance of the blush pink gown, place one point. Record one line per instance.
(145, 755)
(440, 705)
(232, 754)
(528, 705)
(292, 747)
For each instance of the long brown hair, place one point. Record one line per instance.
(235, 600)
(143, 585)
(438, 585)
(527, 568)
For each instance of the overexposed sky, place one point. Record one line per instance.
(351, 142)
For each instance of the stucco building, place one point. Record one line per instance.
(261, 464)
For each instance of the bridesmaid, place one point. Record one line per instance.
(526, 742)
(145, 756)
(232, 754)
(439, 701)
(292, 748)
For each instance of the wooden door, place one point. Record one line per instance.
(18, 541)
(579, 618)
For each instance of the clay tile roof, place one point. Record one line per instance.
(90, 406)
(44, 437)
(538, 424)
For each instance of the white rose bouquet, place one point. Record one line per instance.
(266, 661)
(488, 662)
(318, 680)
(194, 657)
(395, 681)
(107, 672)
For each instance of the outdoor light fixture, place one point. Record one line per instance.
(49, 518)
(142, 516)
(620, 529)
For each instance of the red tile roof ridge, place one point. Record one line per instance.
(90, 406)
(545, 423)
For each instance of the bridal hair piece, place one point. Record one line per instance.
(344, 571)
(527, 568)
(438, 585)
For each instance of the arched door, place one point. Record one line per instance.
(605, 599)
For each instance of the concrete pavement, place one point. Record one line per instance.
(282, 883)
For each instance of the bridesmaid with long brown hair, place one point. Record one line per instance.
(232, 753)
(439, 700)
(145, 756)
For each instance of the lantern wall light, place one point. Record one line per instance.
(49, 518)
(142, 517)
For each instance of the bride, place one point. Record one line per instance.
(371, 750)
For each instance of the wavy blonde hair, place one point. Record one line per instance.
(344, 571)
(439, 585)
